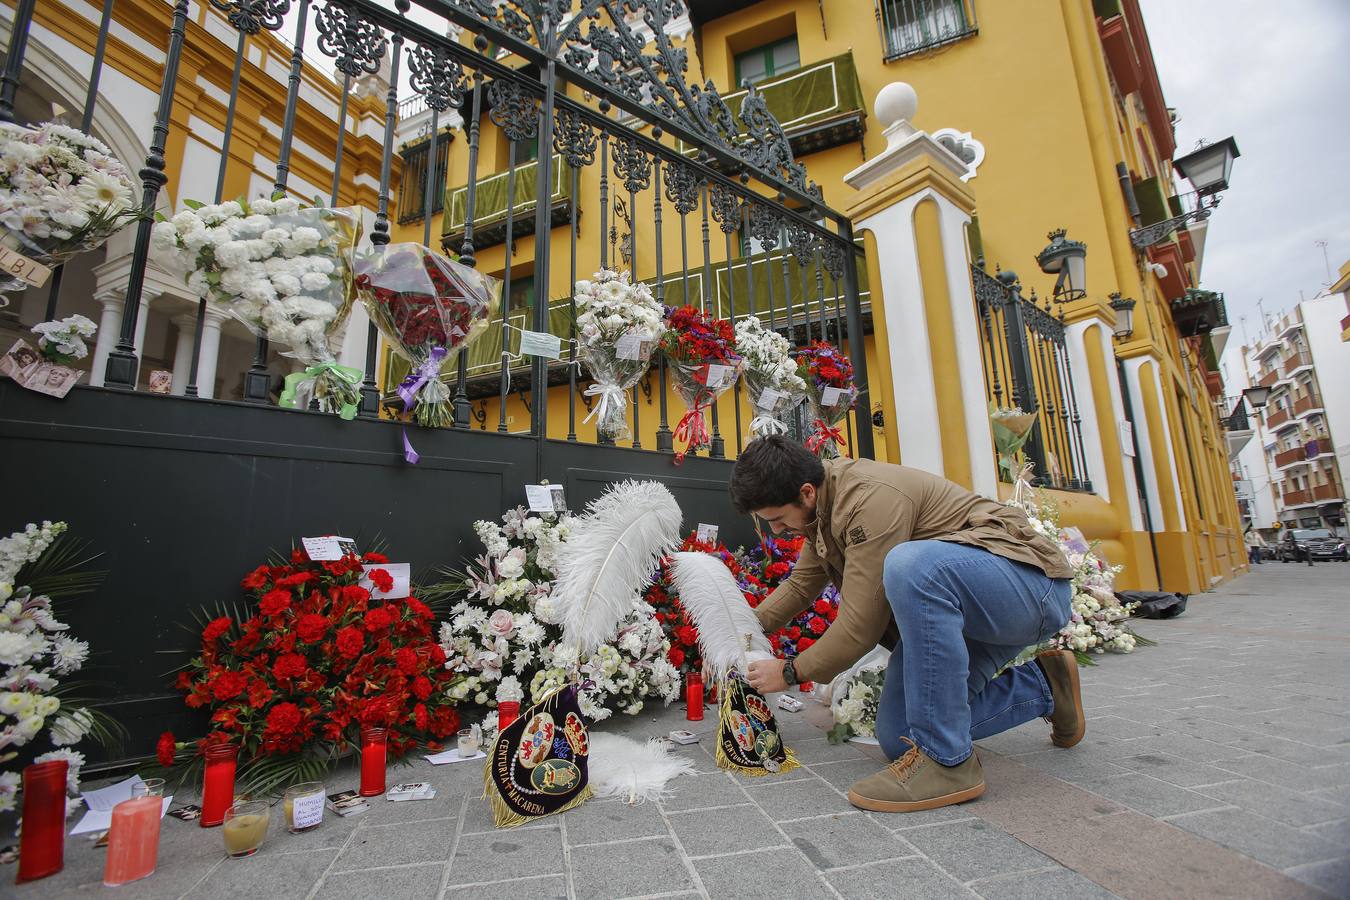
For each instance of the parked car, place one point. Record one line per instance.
(1297, 544)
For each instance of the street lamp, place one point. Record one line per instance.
(1124, 307)
(1207, 168)
(1068, 259)
(1256, 396)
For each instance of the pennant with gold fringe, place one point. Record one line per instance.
(538, 764)
(747, 733)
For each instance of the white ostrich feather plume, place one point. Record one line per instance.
(636, 772)
(610, 557)
(713, 599)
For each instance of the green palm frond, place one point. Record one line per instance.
(62, 571)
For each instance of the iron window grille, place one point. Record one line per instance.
(914, 26)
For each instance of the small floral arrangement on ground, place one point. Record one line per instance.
(770, 376)
(679, 627)
(854, 706)
(828, 374)
(428, 308)
(62, 340)
(314, 658)
(37, 653)
(1099, 621)
(705, 363)
(502, 640)
(61, 192)
(281, 268)
(618, 323)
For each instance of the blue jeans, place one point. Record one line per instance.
(963, 613)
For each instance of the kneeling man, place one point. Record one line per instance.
(955, 584)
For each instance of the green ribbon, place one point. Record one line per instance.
(294, 381)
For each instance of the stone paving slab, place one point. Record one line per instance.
(1216, 764)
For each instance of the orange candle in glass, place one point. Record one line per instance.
(373, 747)
(133, 840)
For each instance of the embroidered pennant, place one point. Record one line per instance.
(747, 733)
(538, 765)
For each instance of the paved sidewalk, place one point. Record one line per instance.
(1217, 764)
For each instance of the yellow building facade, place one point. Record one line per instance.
(1060, 122)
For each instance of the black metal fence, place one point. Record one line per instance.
(1026, 366)
(590, 94)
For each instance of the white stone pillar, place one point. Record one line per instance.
(210, 353)
(1138, 388)
(1075, 337)
(182, 352)
(109, 327)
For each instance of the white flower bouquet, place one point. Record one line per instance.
(36, 653)
(770, 374)
(282, 269)
(503, 636)
(62, 340)
(61, 192)
(854, 705)
(428, 308)
(618, 323)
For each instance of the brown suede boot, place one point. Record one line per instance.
(915, 781)
(1068, 723)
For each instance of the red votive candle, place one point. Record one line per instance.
(693, 697)
(218, 784)
(373, 745)
(806, 687)
(42, 842)
(507, 712)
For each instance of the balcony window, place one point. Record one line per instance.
(912, 26)
(767, 61)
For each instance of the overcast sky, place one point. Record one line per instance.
(1276, 76)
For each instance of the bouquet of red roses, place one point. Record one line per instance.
(428, 308)
(705, 364)
(768, 565)
(318, 659)
(679, 628)
(829, 388)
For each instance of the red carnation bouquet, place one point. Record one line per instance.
(769, 565)
(680, 629)
(293, 683)
(704, 363)
(428, 308)
(829, 388)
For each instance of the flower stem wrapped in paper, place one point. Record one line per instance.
(429, 309)
(618, 323)
(1012, 429)
(771, 377)
(829, 389)
(282, 269)
(705, 364)
(61, 192)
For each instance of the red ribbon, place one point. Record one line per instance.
(822, 436)
(692, 430)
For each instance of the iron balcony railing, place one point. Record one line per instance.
(1026, 366)
(493, 194)
(916, 26)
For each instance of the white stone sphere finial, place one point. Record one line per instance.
(896, 102)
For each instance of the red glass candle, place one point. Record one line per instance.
(507, 712)
(42, 843)
(693, 697)
(373, 747)
(218, 784)
(806, 687)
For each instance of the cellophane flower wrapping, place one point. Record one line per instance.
(704, 364)
(1012, 428)
(854, 705)
(61, 192)
(37, 653)
(430, 309)
(503, 637)
(282, 269)
(618, 323)
(770, 374)
(828, 374)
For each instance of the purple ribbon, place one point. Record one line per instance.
(408, 390)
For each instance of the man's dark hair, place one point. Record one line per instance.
(771, 471)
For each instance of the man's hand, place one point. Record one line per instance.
(766, 676)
